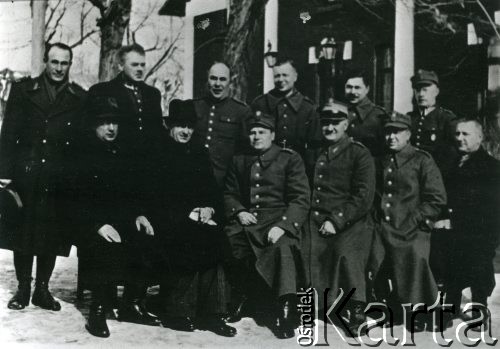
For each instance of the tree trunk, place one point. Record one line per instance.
(38, 9)
(113, 24)
(244, 17)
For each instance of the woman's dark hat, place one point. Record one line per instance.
(104, 108)
(181, 113)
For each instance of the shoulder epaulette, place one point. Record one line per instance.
(447, 111)
(358, 144)
(77, 87)
(288, 150)
(423, 152)
(307, 99)
(258, 98)
(239, 102)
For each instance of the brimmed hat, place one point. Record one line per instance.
(261, 119)
(399, 120)
(103, 108)
(424, 77)
(333, 111)
(181, 113)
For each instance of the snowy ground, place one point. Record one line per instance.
(37, 328)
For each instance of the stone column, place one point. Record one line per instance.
(270, 35)
(37, 36)
(404, 58)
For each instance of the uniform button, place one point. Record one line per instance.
(46, 121)
(257, 196)
(67, 142)
(450, 210)
(140, 110)
(257, 175)
(420, 123)
(140, 119)
(317, 201)
(255, 214)
(389, 183)
(257, 206)
(392, 159)
(43, 160)
(316, 213)
(418, 136)
(284, 218)
(210, 122)
(257, 185)
(418, 144)
(284, 115)
(295, 224)
(387, 218)
(209, 129)
(318, 188)
(387, 205)
(44, 141)
(228, 119)
(233, 209)
(321, 163)
(257, 164)
(46, 190)
(140, 128)
(138, 101)
(284, 105)
(284, 127)
(389, 170)
(341, 214)
(206, 145)
(209, 138)
(320, 176)
(213, 107)
(352, 125)
(69, 124)
(389, 195)
(419, 130)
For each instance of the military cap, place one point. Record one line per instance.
(424, 77)
(261, 119)
(333, 112)
(104, 107)
(181, 113)
(399, 120)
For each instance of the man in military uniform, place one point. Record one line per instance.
(220, 125)
(366, 118)
(339, 230)
(140, 132)
(38, 145)
(432, 131)
(297, 122)
(410, 194)
(473, 188)
(266, 203)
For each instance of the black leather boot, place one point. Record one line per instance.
(217, 325)
(133, 308)
(287, 317)
(21, 298)
(237, 309)
(96, 323)
(42, 297)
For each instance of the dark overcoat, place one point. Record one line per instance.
(104, 181)
(221, 129)
(274, 188)
(186, 181)
(409, 197)
(342, 192)
(474, 209)
(297, 123)
(367, 125)
(38, 146)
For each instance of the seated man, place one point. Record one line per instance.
(114, 239)
(338, 237)
(410, 194)
(266, 202)
(473, 187)
(187, 210)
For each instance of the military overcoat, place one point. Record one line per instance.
(274, 188)
(38, 147)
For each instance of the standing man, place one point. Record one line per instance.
(410, 194)
(296, 119)
(432, 125)
(432, 131)
(37, 145)
(220, 124)
(474, 199)
(366, 118)
(138, 102)
(266, 201)
(339, 230)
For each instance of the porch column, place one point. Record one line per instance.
(270, 35)
(38, 36)
(404, 58)
(188, 63)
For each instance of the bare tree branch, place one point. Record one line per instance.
(52, 12)
(100, 5)
(83, 37)
(164, 57)
(493, 24)
(56, 24)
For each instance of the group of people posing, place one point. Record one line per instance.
(232, 209)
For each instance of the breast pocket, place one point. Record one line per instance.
(227, 128)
